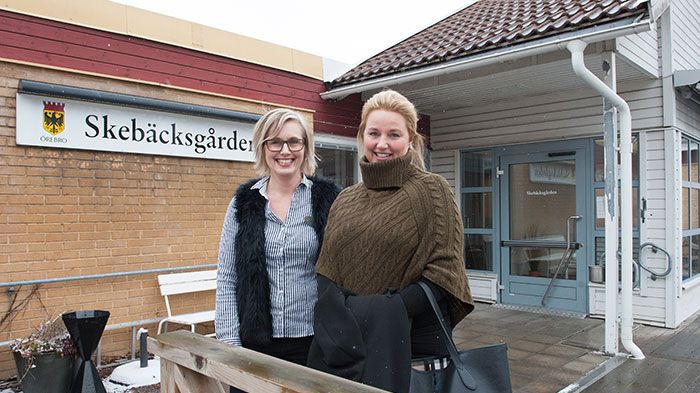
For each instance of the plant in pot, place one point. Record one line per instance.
(45, 359)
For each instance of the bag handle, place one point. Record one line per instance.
(464, 375)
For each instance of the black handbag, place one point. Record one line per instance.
(482, 370)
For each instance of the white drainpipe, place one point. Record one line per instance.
(576, 48)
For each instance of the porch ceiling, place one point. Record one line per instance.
(481, 87)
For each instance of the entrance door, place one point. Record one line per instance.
(543, 262)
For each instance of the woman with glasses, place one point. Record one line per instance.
(266, 285)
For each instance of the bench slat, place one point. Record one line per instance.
(187, 287)
(195, 317)
(174, 278)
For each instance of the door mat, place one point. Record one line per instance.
(541, 310)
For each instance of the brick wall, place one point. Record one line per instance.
(69, 213)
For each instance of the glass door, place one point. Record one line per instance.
(543, 261)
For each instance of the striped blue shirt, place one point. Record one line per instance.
(291, 249)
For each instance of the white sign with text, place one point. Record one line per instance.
(71, 124)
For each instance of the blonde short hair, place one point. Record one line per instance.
(269, 126)
(390, 100)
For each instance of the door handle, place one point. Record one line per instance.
(565, 256)
(568, 228)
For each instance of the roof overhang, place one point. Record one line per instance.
(657, 7)
(688, 83)
(558, 42)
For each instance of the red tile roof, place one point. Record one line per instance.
(487, 25)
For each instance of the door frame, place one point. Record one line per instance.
(584, 176)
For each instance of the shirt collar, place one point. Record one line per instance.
(262, 184)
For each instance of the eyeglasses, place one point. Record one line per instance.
(276, 145)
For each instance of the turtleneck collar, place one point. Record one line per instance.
(387, 174)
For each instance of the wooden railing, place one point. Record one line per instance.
(191, 363)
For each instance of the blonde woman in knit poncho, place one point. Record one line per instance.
(400, 225)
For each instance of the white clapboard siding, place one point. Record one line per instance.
(685, 36)
(690, 300)
(648, 310)
(688, 116)
(650, 302)
(654, 229)
(571, 114)
(641, 50)
(483, 287)
(443, 163)
(655, 193)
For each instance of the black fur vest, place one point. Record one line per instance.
(253, 285)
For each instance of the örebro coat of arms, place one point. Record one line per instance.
(54, 117)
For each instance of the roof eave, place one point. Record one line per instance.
(632, 25)
(688, 84)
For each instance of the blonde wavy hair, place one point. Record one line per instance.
(269, 126)
(392, 101)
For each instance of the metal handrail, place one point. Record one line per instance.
(654, 249)
(115, 326)
(638, 265)
(541, 244)
(565, 256)
(104, 275)
(132, 324)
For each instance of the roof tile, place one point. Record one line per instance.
(488, 25)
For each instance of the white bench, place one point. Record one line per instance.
(181, 283)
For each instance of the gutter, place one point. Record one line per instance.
(576, 48)
(592, 34)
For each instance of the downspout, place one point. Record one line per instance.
(576, 48)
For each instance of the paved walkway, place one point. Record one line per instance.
(546, 353)
(557, 353)
(672, 363)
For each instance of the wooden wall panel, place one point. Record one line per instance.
(34, 40)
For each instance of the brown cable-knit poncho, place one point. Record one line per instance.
(401, 223)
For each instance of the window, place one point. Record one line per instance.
(600, 203)
(337, 165)
(337, 159)
(690, 193)
(477, 208)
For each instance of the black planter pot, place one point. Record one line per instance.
(50, 373)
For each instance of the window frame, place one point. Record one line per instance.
(343, 143)
(462, 190)
(692, 187)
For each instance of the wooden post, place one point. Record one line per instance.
(191, 363)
